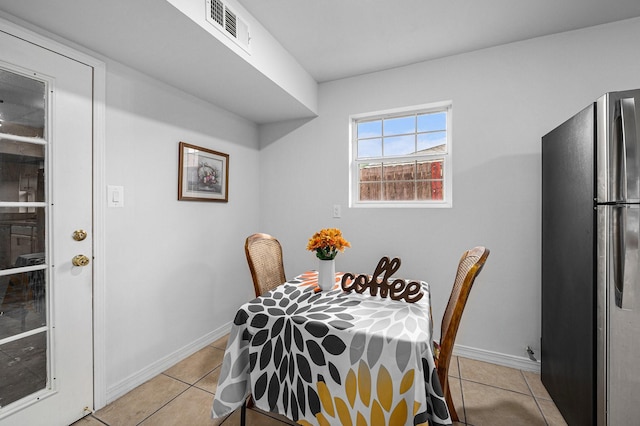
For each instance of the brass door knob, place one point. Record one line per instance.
(80, 260)
(79, 234)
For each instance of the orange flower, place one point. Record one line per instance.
(327, 242)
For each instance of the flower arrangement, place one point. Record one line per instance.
(208, 175)
(327, 242)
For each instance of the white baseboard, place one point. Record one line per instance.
(521, 363)
(133, 381)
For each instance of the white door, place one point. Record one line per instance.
(46, 358)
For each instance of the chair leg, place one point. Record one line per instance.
(243, 413)
(450, 405)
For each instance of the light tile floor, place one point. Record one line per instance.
(483, 393)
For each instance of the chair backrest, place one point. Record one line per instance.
(264, 255)
(469, 267)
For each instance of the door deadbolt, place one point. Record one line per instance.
(80, 260)
(79, 234)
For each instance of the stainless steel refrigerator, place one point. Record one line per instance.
(590, 348)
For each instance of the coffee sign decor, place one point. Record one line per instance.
(397, 290)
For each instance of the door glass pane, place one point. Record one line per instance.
(23, 367)
(22, 226)
(21, 171)
(22, 105)
(24, 287)
(22, 303)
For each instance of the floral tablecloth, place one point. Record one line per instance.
(333, 358)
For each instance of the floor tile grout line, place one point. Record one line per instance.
(542, 397)
(189, 386)
(535, 398)
(92, 415)
(464, 408)
(531, 393)
(163, 405)
(497, 387)
(225, 419)
(196, 381)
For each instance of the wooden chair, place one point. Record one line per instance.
(469, 267)
(264, 255)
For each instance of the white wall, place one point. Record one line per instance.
(175, 270)
(504, 100)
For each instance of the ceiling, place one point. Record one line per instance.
(153, 37)
(331, 39)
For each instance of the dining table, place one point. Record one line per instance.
(333, 357)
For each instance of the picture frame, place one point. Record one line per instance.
(203, 174)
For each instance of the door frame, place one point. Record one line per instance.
(32, 34)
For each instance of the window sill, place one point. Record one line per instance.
(401, 205)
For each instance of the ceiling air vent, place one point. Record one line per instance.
(230, 23)
(217, 12)
(226, 20)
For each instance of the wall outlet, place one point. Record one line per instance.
(337, 210)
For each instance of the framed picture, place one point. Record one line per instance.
(203, 174)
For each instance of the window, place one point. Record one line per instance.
(402, 158)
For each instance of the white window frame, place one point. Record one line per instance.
(446, 156)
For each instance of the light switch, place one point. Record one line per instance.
(115, 196)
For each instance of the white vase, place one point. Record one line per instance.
(326, 274)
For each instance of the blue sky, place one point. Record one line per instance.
(396, 141)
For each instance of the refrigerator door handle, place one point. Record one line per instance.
(618, 219)
(626, 229)
(630, 168)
